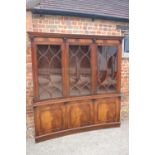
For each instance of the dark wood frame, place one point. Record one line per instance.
(61, 39)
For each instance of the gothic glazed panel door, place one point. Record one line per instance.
(106, 68)
(49, 71)
(79, 70)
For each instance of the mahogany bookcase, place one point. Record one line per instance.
(77, 81)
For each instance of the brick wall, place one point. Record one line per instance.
(125, 81)
(29, 81)
(125, 88)
(74, 25)
(68, 25)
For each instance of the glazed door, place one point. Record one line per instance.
(80, 83)
(48, 72)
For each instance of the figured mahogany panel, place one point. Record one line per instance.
(80, 113)
(105, 42)
(79, 41)
(106, 110)
(41, 40)
(49, 118)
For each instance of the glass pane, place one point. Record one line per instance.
(126, 44)
(79, 70)
(106, 68)
(49, 71)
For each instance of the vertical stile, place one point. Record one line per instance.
(119, 56)
(35, 70)
(65, 68)
(94, 66)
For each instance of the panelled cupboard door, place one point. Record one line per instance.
(80, 113)
(107, 110)
(49, 118)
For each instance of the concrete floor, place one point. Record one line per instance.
(112, 141)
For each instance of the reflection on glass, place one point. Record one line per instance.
(49, 71)
(106, 68)
(79, 70)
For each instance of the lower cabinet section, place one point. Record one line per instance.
(54, 119)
